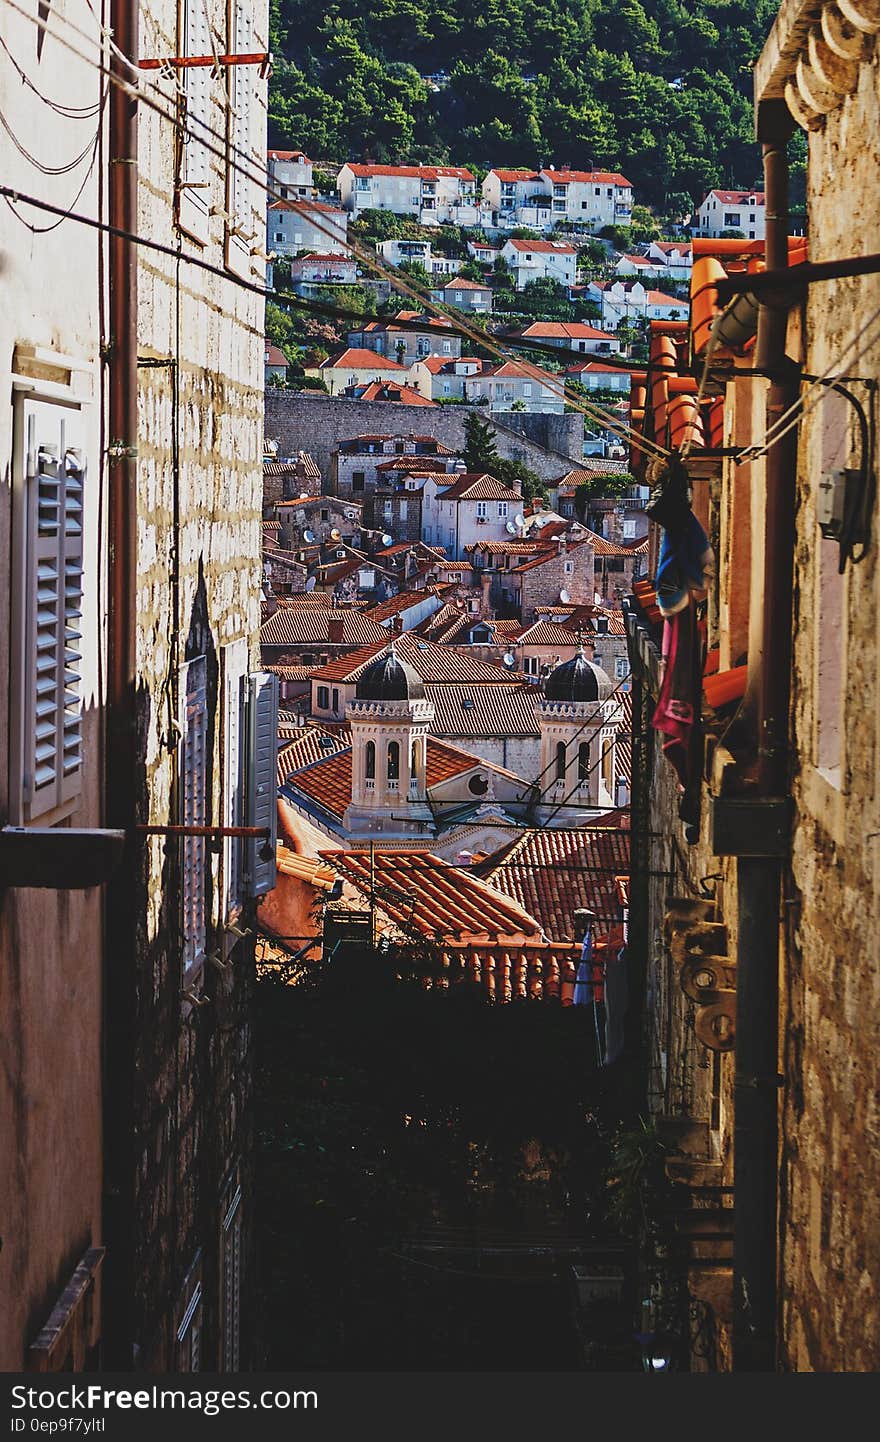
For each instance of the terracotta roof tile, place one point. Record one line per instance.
(355, 358)
(297, 626)
(551, 872)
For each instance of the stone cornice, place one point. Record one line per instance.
(813, 56)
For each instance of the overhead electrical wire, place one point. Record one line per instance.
(818, 389)
(224, 151)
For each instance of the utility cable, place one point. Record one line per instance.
(372, 261)
(818, 389)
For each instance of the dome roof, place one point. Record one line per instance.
(389, 678)
(577, 680)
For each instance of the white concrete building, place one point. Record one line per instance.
(437, 378)
(742, 210)
(632, 300)
(593, 198)
(312, 225)
(535, 259)
(511, 384)
(418, 252)
(433, 194)
(290, 174)
(474, 507)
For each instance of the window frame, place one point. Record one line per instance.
(192, 788)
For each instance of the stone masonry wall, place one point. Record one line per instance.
(831, 1151)
(299, 421)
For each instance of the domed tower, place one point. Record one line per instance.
(579, 725)
(390, 719)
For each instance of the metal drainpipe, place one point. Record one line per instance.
(756, 1092)
(123, 901)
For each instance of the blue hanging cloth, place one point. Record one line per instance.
(583, 984)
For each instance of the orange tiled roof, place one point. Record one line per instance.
(437, 665)
(551, 872)
(598, 177)
(355, 358)
(543, 246)
(565, 330)
(392, 391)
(297, 626)
(313, 743)
(449, 904)
(476, 486)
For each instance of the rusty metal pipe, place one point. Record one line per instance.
(756, 1096)
(124, 902)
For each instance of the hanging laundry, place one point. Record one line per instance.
(685, 566)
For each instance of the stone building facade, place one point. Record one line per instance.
(129, 1032)
(754, 898)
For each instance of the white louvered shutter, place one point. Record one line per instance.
(52, 672)
(262, 779)
(193, 809)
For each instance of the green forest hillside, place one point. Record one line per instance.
(658, 88)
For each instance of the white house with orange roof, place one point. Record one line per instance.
(467, 295)
(513, 384)
(356, 366)
(742, 210)
(537, 259)
(439, 378)
(463, 508)
(434, 194)
(592, 198)
(305, 225)
(676, 257)
(290, 174)
(633, 300)
(402, 249)
(571, 335)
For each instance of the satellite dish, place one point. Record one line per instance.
(310, 583)
(509, 658)
(386, 539)
(335, 534)
(518, 521)
(510, 528)
(304, 495)
(309, 536)
(564, 597)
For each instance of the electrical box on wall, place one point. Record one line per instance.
(837, 504)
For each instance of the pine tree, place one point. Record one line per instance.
(480, 453)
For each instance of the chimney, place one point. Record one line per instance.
(396, 625)
(335, 627)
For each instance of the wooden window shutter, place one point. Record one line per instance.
(52, 575)
(262, 779)
(193, 808)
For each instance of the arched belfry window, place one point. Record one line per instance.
(560, 760)
(371, 760)
(393, 760)
(583, 761)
